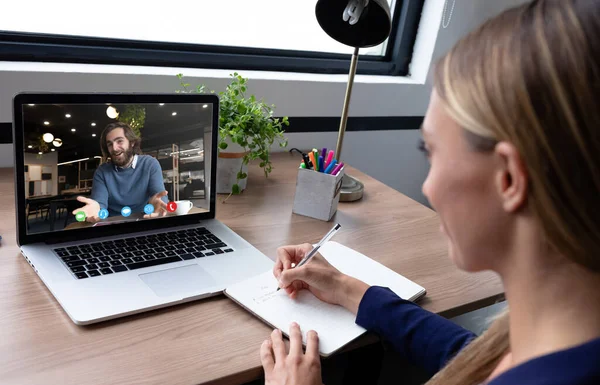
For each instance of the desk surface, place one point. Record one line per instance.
(215, 341)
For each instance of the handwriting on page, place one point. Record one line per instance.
(306, 309)
(264, 297)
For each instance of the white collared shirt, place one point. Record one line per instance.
(133, 164)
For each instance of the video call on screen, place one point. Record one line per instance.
(91, 165)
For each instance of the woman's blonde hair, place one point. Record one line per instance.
(531, 76)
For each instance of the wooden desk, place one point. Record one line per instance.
(215, 341)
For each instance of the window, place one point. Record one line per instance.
(280, 35)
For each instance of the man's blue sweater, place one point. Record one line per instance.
(430, 341)
(116, 187)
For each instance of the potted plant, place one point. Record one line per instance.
(247, 129)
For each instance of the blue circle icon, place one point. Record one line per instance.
(148, 209)
(103, 214)
(126, 211)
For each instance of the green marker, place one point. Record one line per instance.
(302, 165)
(80, 216)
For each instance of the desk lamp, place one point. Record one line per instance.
(360, 24)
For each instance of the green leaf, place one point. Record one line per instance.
(235, 189)
(245, 120)
(241, 175)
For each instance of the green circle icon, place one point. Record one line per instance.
(80, 216)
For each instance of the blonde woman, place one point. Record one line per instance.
(512, 133)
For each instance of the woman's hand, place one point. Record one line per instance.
(318, 276)
(295, 367)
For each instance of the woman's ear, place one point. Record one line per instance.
(511, 177)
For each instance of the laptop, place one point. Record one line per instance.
(115, 201)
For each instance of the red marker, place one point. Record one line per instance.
(171, 207)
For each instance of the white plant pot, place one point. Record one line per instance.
(229, 162)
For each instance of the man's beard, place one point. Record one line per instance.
(122, 160)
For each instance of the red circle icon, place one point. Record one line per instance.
(171, 207)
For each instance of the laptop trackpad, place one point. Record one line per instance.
(186, 280)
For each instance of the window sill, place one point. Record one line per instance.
(198, 73)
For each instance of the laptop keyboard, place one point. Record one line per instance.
(115, 256)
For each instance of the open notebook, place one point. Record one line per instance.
(334, 324)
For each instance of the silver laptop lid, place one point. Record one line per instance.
(92, 165)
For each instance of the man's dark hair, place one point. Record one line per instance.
(133, 138)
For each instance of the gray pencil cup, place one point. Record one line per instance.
(317, 194)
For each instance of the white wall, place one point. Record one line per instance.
(399, 164)
(49, 159)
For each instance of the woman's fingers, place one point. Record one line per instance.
(288, 277)
(285, 256)
(295, 340)
(278, 345)
(277, 268)
(302, 250)
(312, 345)
(266, 356)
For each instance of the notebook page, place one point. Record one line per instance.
(355, 264)
(334, 324)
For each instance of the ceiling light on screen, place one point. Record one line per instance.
(31, 105)
(67, 115)
(93, 124)
(73, 129)
(94, 135)
(46, 123)
(161, 104)
(205, 106)
(174, 113)
(52, 149)
(48, 137)
(30, 146)
(57, 142)
(40, 153)
(112, 112)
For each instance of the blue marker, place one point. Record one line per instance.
(126, 211)
(148, 209)
(330, 166)
(103, 214)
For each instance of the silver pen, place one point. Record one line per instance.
(316, 248)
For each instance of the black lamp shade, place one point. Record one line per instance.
(372, 28)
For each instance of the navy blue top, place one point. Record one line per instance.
(115, 187)
(430, 341)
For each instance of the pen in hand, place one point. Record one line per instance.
(316, 248)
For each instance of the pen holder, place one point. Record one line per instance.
(317, 194)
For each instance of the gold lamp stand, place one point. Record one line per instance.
(352, 188)
(359, 24)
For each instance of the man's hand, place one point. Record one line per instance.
(160, 207)
(295, 368)
(91, 209)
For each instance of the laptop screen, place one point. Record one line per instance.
(92, 165)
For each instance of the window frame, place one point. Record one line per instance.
(25, 46)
